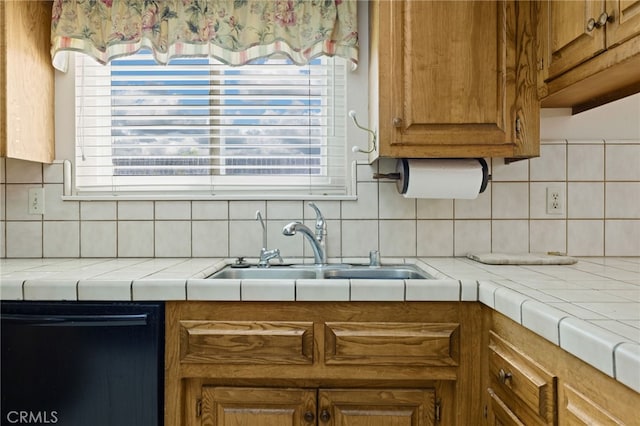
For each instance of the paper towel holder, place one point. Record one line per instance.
(403, 171)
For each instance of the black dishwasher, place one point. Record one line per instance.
(82, 363)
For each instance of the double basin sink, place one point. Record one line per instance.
(331, 271)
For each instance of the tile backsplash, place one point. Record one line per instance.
(592, 159)
(599, 181)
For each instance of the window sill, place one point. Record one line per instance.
(195, 197)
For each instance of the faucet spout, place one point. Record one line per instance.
(317, 244)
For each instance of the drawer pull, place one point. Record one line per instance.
(503, 376)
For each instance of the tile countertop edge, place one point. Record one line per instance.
(181, 279)
(609, 353)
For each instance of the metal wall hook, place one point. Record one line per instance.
(352, 114)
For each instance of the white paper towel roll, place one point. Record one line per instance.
(442, 178)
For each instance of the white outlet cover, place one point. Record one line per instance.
(36, 201)
(555, 200)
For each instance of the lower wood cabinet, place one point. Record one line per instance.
(499, 413)
(530, 381)
(324, 364)
(525, 387)
(225, 406)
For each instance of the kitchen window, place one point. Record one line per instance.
(196, 126)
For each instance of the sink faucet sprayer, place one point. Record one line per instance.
(266, 255)
(317, 239)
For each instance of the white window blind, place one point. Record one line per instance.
(198, 126)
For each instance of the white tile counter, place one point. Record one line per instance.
(591, 308)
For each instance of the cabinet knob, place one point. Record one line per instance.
(397, 122)
(601, 22)
(309, 417)
(503, 376)
(325, 416)
(603, 19)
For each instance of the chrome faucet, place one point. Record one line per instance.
(266, 255)
(317, 239)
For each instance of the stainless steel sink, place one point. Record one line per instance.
(405, 272)
(273, 272)
(339, 271)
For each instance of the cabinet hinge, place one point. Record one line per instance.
(437, 413)
(540, 64)
(198, 408)
(518, 126)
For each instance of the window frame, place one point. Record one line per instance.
(357, 86)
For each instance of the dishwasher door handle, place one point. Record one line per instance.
(39, 320)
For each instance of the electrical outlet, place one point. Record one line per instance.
(36, 200)
(555, 200)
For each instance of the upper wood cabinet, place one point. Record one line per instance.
(589, 52)
(574, 34)
(26, 81)
(452, 79)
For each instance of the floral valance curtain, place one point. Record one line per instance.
(232, 31)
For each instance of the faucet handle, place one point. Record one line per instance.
(320, 222)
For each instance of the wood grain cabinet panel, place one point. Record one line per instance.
(532, 381)
(322, 363)
(251, 342)
(449, 79)
(625, 21)
(236, 406)
(572, 40)
(519, 379)
(388, 343)
(230, 406)
(385, 407)
(26, 81)
(500, 414)
(588, 52)
(582, 411)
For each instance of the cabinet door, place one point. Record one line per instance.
(354, 407)
(230, 406)
(446, 82)
(571, 37)
(625, 21)
(578, 410)
(26, 98)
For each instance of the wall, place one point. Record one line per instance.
(594, 157)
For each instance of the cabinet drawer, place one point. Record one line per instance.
(389, 343)
(500, 413)
(518, 378)
(247, 342)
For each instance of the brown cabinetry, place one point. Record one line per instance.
(589, 52)
(519, 386)
(449, 79)
(223, 406)
(251, 363)
(26, 81)
(530, 381)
